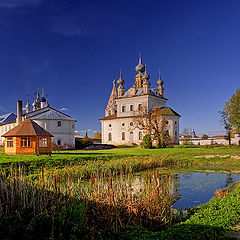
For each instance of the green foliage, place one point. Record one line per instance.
(79, 143)
(211, 221)
(233, 109)
(97, 135)
(147, 141)
(204, 136)
(82, 143)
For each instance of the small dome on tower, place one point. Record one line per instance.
(120, 80)
(140, 67)
(43, 99)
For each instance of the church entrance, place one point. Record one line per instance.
(131, 137)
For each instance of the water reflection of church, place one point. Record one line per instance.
(175, 187)
(136, 186)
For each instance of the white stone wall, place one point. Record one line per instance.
(65, 133)
(5, 128)
(147, 101)
(156, 101)
(173, 127)
(116, 128)
(210, 141)
(127, 102)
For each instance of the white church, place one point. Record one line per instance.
(118, 125)
(59, 124)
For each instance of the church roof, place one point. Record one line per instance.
(167, 111)
(48, 113)
(27, 128)
(164, 111)
(111, 117)
(139, 92)
(7, 118)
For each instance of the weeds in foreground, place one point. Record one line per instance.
(73, 208)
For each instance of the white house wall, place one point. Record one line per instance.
(5, 128)
(65, 133)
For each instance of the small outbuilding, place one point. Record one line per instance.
(28, 138)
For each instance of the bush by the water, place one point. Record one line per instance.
(147, 141)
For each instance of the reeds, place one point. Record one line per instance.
(112, 200)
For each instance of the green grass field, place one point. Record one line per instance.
(224, 156)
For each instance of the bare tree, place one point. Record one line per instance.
(152, 122)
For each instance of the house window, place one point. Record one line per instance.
(43, 142)
(110, 137)
(9, 142)
(131, 108)
(175, 122)
(25, 142)
(59, 124)
(123, 136)
(59, 142)
(140, 136)
(123, 108)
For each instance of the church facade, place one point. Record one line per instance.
(119, 124)
(59, 124)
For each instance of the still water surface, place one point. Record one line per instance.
(194, 189)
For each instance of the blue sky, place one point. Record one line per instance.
(73, 49)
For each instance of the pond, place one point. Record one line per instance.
(194, 189)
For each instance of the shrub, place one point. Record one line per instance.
(204, 136)
(147, 141)
(82, 143)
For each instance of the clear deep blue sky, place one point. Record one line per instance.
(74, 48)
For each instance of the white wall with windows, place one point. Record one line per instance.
(62, 130)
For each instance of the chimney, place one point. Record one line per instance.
(19, 112)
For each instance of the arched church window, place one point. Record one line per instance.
(140, 136)
(110, 125)
(131, 108)
(59, 124)
(123, 136)
(109, 112)
(110, 137)
(123, 108)
(123, 124)
(131, 124)
(59, 142)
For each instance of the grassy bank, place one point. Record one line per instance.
(211, 221)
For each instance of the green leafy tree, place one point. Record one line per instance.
(204, 136)
(97, 135)
(147, 141)
(231, 114)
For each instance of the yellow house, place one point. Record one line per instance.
(28, 138)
